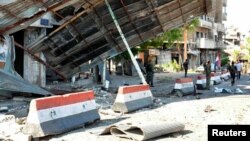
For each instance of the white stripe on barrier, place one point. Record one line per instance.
(61, 111)
(217, 77)
(183, 85)
(225, 75)
(201, 81)
(213, 78)
(132, 96)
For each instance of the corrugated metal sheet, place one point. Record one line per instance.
(88, 31)
(93, 36)
(19, 14)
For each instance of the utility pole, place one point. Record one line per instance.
(185, 43)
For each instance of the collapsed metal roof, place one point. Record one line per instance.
(87, 31)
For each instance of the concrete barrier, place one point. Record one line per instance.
(131, 98)
(184, 86)
(201, 82)
(215, 77)
(57, 114)
(225, 75)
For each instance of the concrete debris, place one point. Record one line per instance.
(104, 99)
(21, 120)
(197, 97)
(227, 90)
(9, 127)
(208, 108)
(238, 91)
(4, 109)
(110, 112)
(6, 118)
(157, 100)
(19, 137)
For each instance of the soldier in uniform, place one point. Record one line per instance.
(150, 72)
(185, 66)
(207, 68)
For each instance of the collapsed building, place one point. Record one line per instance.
(71, 36)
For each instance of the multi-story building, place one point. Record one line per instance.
(233, 37)
(234, 41)
(208, 36)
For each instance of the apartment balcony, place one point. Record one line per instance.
(206, 24)
(205, 43)
(220, 44)
(220, 27)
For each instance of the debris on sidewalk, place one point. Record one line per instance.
(4, 109)
(238, 91)
(209, 109)
(140, 131)
(227, 90)
(10, 128)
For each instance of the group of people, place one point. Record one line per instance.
(234, 69)
(207, 70)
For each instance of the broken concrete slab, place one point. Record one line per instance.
(140, 130)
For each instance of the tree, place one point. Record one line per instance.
(166, 39)
(189, 27)
(235, 55)
(246, 55)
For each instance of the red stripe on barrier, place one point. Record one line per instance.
(132, 89)
(214, 74)
(183, 80)
(56, 101)
(200, 77)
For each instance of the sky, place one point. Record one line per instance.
(238, 14)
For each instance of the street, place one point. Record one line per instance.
(195, 114)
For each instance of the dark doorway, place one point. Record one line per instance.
(18, 37)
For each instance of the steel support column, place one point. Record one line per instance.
(126, 43)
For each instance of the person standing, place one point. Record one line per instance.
(185, 66)
(150, 72)
(239, 68)
(232, 70)
(207, 68)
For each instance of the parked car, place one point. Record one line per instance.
(201, 68)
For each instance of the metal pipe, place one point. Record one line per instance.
(126, 43)
(40, 60)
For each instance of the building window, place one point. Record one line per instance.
(201, 35)
(197, 35)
